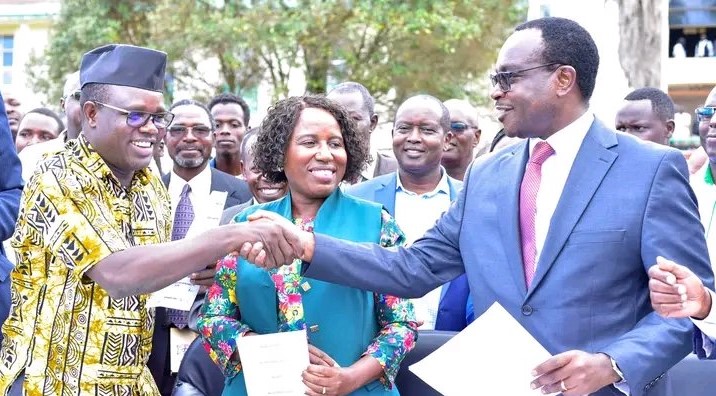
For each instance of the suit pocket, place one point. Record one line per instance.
(607, 236)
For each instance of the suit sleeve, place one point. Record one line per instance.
(10, 187)
(670, 228)
(430, 262)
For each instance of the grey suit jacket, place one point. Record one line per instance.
(625, 202)
(229, 213)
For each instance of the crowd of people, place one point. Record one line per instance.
(593, 234)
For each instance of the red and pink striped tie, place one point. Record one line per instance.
(528, 207)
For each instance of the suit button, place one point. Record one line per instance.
(527, 310)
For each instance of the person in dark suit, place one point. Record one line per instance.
(189, 140)
(359, 103)
(261, 189)
(421, 185)
(559, 229)
(10, 190)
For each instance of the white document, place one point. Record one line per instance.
(494, 355)
(181, 295)
(273, 363)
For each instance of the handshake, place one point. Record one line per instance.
(272, 241)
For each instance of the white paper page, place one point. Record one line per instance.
(181, 295)
(494, 355)
(273, 363)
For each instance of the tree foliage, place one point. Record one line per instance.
(395, 48)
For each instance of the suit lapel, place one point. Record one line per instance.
(385, 194)
(508, 190)
(590, 166)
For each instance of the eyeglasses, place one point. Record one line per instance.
(504, 79)
(138, 119)
(200, 131)
(705, 113)
(460, 127)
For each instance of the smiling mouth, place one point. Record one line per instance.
(143, 144)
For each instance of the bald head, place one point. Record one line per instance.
(70, 104)
(422, 101)
(72, 83)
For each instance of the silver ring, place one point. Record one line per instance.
(561, 385)
(323, 391)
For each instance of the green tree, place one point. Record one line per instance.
(396, 48)
(83, 25)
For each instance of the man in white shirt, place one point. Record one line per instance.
(675, 291)
(704, 48)
(559, 229)
(189, 140)
(417, 194)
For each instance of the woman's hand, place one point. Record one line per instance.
(324, 377)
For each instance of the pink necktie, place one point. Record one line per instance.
(528, 207)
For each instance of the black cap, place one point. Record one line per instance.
(125, 65)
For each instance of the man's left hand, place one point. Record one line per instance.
(574, 373)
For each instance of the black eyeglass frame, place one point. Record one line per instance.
(504, 78)
(186, 129)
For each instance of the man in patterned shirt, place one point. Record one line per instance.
(90, 242)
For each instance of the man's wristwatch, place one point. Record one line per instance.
(616, 370)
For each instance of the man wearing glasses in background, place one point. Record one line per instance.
(191, 184)
(90, 241)
(698, 300)
(463, 137)
(70, 104)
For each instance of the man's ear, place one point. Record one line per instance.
(478, 133)
(373, 122)
(90, 111)
(566, 79)
(670, 126)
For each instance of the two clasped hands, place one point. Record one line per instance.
(279, 242)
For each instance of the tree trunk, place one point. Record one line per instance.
(640, 41)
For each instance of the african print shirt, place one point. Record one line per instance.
(220, 328)
(65, 331)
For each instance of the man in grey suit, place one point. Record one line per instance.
(559, 229)
(189, 141)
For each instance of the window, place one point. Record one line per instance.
(6, 49)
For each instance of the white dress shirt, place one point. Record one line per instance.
(555, 170)
(415, 214)
(200, 190)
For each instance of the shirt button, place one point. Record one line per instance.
(527, 310)
(313, 328)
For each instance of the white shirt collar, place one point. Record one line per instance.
(442, 186)
(200, 184)
(568, 140)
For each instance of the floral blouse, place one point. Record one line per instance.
(220, 327)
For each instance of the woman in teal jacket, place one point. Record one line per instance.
(360, 336)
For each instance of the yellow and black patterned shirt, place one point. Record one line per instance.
(67, 334)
